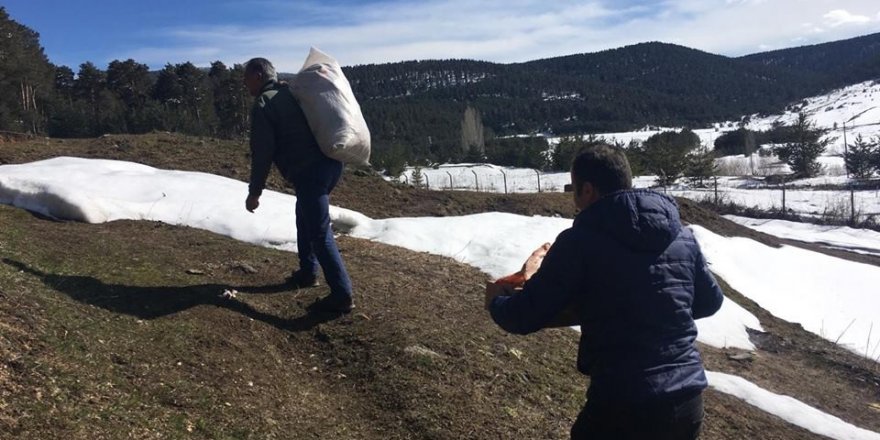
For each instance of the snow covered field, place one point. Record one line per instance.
(836, 299)
(839, 237)
(810, 203)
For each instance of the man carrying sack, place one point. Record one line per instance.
(280, 134)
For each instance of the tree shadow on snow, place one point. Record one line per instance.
(150, 302)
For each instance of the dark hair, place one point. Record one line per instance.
(603, 166)
(261, 66)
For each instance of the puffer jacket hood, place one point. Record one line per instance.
(640, 219)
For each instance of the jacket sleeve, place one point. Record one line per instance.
(707, 294)
(262, 149)
(549, 291)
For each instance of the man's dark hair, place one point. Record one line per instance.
(602, 165)
(261, 66)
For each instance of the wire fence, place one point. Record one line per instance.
(850, 204)
(486, 178)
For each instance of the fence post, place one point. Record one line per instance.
(476, 181)
(538, 173)
(852, 205)
(450, 180)
(716, 190)
(406, 179)
(505, 181)
(783, 197)
(427, 182)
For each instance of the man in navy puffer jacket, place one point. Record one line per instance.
(635, 280)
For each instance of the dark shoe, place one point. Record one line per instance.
(331, 304)
(302, 280)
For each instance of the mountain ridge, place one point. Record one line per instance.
(611, 90)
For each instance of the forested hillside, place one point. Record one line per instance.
(839, 63)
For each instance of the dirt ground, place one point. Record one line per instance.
(119, 330)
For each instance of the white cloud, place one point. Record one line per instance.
(839, 17)
(507, 30)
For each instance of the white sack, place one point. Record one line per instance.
(331, 109)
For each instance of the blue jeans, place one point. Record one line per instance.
(315, 242)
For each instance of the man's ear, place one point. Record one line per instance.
(588, 189)
(584, 187)
(587, 195)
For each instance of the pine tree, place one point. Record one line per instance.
(568, 147)
(68, 116)
(105, 113)
(64, 83)
(417, 179)
(391, 160)
(665, 154)
(231, 101)
(806, 145)
(90, 82)
(167, 89)
(861, 159)
(700, 165)
(197, 98)
(130, 83)
(26, 78)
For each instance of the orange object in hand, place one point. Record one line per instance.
(515, 280)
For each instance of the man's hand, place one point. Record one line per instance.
(493, 290)
(534, 262)
(252, 203)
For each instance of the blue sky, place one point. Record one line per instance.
(370, 31)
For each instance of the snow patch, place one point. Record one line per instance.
(788, 409)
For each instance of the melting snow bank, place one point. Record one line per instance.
(496, 243)
(788, 409)
(834, 298)
(863, 241)
(97, 191)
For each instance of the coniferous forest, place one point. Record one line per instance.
(426, 111)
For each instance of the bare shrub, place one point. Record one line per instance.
(835, 170)
(838, 210)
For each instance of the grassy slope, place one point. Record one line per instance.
(103, 331)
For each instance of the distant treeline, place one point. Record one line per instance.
(39, 97)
